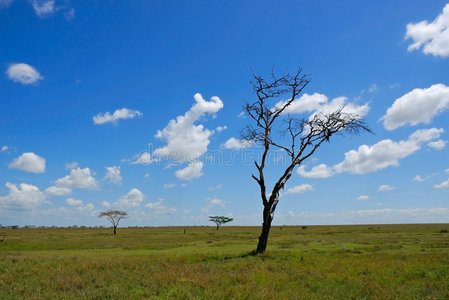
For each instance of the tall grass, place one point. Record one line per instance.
(319, 262)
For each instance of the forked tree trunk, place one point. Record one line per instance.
(266, 226)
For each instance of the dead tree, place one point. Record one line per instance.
(114, 216)
(300, 138)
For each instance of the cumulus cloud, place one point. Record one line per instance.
(320, 171)
(437, 145)
(385, 153)
(113, 175)
(443, 185)
(417, 106)
(143, 158)
(23, 73)
(418, 178)
(192, 171)
(58, 191)
(299, 189)
(213, 203)
(78, 178)
(236, 144)
(44, 8)
(363, 197)
(319, 103)
(386, 187)
(432, 37)
(119, 114)
(160, 209)
(29, 162)
(187, 141)
(22, 197)
(221, 128)
(132, 199)
(4, 148)
(73, 202)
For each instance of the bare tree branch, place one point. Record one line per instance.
(304, 136)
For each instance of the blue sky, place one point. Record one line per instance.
(137, 105)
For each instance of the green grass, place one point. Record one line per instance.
(319, 262)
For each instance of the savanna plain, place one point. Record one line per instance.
(314, 262)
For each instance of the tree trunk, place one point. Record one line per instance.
(115, 230)
(266, 226)
(218, 226)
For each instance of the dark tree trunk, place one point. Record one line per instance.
(115, 230)
(266, 226)
(218, 226)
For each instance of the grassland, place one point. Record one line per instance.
(319, 262)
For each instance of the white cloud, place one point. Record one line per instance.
(417, 106)
(241, 115)
(418, 178)
(385, 153)
(437, 145)
(25, 196)
(169, 185)
(213, 203)
(363, 197)
(443, 185)
(44, 8)
(318, 103)
(299, 189)
(185, 140)
(306, 103)
(73, 202)
(386, 187)
(160, 209)
(113, 175)
(193, 170)
(143, 158)
(320, 171)
(119, 114)
(236, 144)
(133, 199)
(217, 202)
(147, 175)
(58, 191)
(432, 37)
(78, 178)
(4, 148)
(446, 171)
(23, 73)
(221, 128)
(29, 162)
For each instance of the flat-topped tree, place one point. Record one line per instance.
(220, 220)
(114, 216)
(300, 138)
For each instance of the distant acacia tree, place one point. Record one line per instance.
(299, 138)
(220, 220)
(114, 216)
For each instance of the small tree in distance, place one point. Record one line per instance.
(114, 216)
(220, 220)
